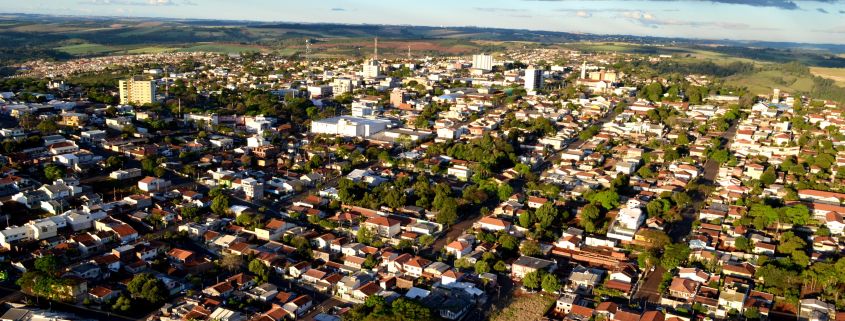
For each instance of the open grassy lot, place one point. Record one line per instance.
(765, 81)
(80, 49)
(224, 48)
(152, 50)
(837, 74)
(526, 308)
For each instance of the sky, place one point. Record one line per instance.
(810, 21)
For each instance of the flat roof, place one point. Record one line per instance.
(359, 120)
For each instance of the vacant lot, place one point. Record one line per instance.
(837, 74)
(80, 49)
(527, 308)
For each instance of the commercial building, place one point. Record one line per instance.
(349, 126)
(137, 90)
(252, 189)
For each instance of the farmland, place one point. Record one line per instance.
(837, 74)
(81, 49)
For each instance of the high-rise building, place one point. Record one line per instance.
(138, 90)
(533, 78)
(371, 67)
(483, 62)
(776, 96)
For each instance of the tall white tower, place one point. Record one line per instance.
(776, 96)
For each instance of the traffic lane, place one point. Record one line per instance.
(648, 291)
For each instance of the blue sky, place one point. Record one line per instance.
(817, 21)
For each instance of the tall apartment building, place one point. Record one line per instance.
(533, 79)
(397, 97)
(483, 62)
(342, 85)
(372, 69)
(252, 189)
(138, 90)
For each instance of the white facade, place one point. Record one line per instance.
(533, 79)
(483, 62)
(371, 69)
(349, 126)
(252, 189)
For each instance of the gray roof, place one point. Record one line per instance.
(15, 314)
(533, 262)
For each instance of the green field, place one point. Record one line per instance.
(765, 81)
(80, 49)
(622, 47)
(837, 74)
(220, 48)
(152, 50)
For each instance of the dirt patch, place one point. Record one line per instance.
(522, 308)
(415, 45)
(246, 32)
(148, 24)
(117, 25)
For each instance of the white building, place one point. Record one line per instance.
(252, 189)
(483, 62)
(349, 126)
(626, 224)
(371, 69)
(533, 79)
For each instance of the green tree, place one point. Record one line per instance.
(509, 242)
(609, 199)
(682, 199)
(217, 191)
(482, 267)
(546, 215)
(531, 248)
(54, 171)
(505, 192)
(364, 235)
(189, 211)
(534, 279)
(526, 219)
(159, 171)
(551, 283)
(220, 204)
(48, 126)
(752, 313)
(47, 263)
(260, 269)
(155, 291)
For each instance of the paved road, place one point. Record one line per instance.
(647, 293)
(711, 169)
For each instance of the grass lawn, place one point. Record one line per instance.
(837, 74)
(528, 308)
(79, 49)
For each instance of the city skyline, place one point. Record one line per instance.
(764, 20)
